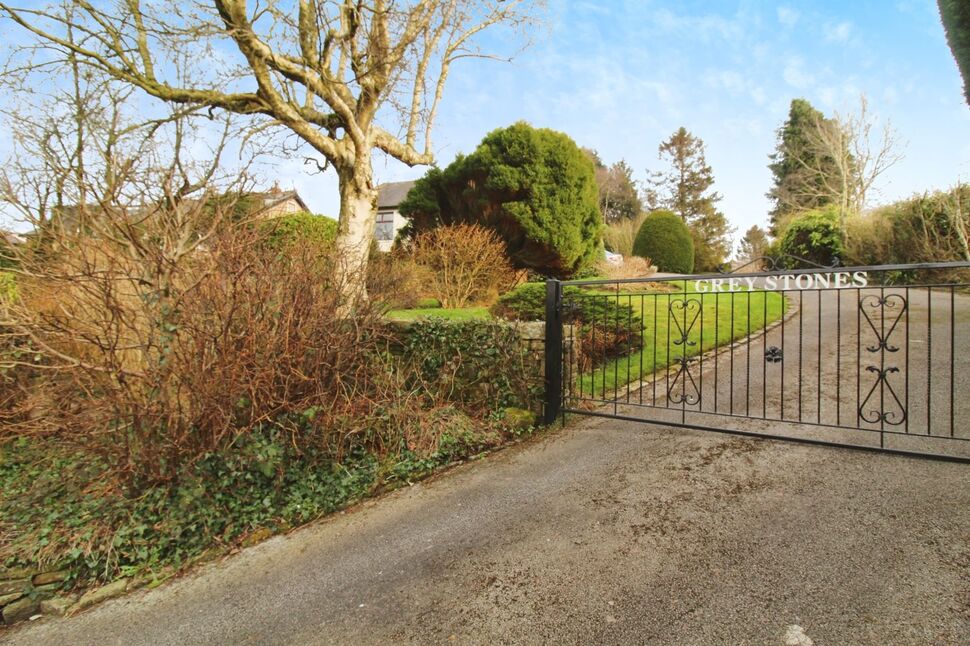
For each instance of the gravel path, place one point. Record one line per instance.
(605, 532)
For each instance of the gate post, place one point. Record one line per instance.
(553, 355)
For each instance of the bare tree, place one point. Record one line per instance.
(83, 166)
(844, 158)
(119, 208)
(346, 77)
(146, 309)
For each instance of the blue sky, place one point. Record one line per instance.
(620, 76)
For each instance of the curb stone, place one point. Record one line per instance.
(97, 595)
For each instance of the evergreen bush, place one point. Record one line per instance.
(532, 186)
(315, 230)
(814, 236)
(606, 327)
(666, 241)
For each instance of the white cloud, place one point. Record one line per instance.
(729, 80)
(787, 16)
(890, 95)
(748, 128)
(706, 27)
(827, 95)
(796, 75)
(843, 96)
(838, 33)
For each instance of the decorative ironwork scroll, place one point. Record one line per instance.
(776, 262)
(684, 313)
(883, 314)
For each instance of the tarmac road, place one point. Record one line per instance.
(603, 532)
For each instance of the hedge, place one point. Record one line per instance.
(306, 227)
(814, 236)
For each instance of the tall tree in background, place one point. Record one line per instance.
(858, 153)
(753, 244)
(619, 197)
(829, 161)
(344, 77)
(796, 188)
(686, 188)
(956, 23)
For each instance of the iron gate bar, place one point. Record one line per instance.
(929, 352)
(952, 353)
(553, 352)
(884, 407)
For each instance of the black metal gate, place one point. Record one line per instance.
(868, 357)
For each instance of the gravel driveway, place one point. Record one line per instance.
(606, 532)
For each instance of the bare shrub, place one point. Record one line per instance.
(600, 343)
(619, 236)
(931, 227)
(632, 267)
(15, 400)
(243, 336)
(264, 337)
(466, 264)
(396, 281)
(868, 239)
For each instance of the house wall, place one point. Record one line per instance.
(283, 208)
(399, 222)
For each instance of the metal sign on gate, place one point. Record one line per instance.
(868, 357)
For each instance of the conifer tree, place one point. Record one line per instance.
(796, 188)
(686, 188)
(753, 244)
(956, 22)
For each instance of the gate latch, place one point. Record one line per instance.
(773, 354)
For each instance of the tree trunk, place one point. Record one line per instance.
(358, 208)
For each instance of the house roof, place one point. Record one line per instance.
(68, 214)
(276, 196)
(390, 195)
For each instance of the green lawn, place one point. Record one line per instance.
(713, 327)
(457, 314)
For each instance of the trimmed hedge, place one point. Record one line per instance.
(527, 302)
(607, 329)
(316, 230)
(478, 365)
(665, 240)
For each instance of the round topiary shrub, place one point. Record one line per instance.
(814, 236)
(665, 240)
